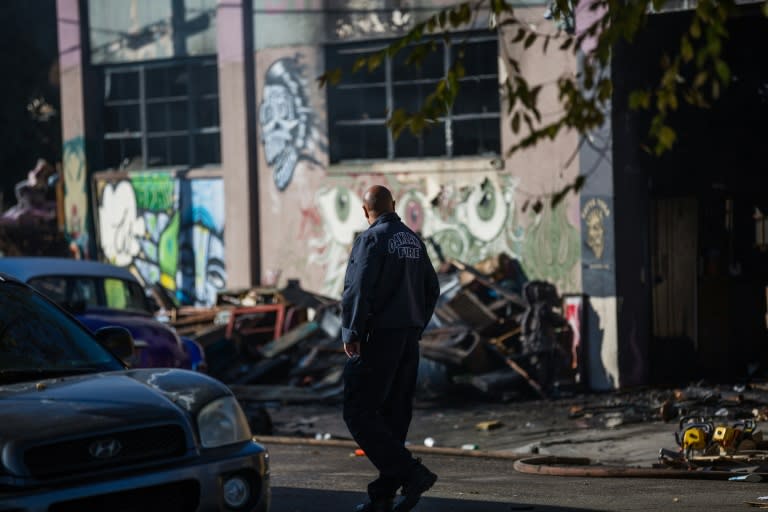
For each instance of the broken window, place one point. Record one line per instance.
(142, 30)
(358, 106)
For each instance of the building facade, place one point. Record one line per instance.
(201, 153)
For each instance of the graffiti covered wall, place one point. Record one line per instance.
(471, 218)
(165, 228)
(473, 211)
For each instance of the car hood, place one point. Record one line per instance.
(44, 410)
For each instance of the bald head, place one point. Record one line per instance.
(377, 201)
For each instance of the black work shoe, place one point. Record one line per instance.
(377, 505)
(420, 481)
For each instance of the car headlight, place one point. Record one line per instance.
(222, 422)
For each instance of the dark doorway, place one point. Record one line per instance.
(708, 202)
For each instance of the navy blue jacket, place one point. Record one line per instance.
(390, 281)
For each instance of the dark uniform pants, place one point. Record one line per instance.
(378, 403)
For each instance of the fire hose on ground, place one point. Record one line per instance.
(546, 465)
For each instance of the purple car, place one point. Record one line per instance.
(101, 295)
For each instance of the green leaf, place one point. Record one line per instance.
(359, 64)
(567, 44)
(686, 49)
(700, 79)
(397, 121)
(520, 35)
(418, 123)
(765, 9)
(516, 122)
(460, 71)
(530, 40)
(723, 71)
(672, 100)
(667, 136)
(695, 28)
(465, 13)
(332, 77)
(374, 61)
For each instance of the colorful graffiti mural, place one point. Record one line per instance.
(470, 220)
(290, 129)
(201, 241)
(168, 229)
(76, 196)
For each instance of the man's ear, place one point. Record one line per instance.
(365, 211)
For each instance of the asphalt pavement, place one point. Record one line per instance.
(321, 477)
(527, 426)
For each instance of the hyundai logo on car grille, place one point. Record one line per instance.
(104, 448)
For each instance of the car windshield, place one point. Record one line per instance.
(77, 292)
(37, 339)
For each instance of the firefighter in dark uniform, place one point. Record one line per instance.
(390, 292)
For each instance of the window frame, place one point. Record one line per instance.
(192, 98)
(368, 47)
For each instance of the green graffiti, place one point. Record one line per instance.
(551, 248)
(451, 243)
(342, 203)
(486, 207)
(155, 191)
(168, 257)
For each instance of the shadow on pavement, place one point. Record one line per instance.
(289, 499)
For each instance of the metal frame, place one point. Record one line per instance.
(389, 83)
(192, 97)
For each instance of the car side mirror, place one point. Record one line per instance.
(118, 340)
(153, 305)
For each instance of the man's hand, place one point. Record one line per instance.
(352, 348)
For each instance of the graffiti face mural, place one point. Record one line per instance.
(202, 271)
(290, 131)
(469, 220)
(169, 230)
(594, 214)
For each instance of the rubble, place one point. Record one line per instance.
(493, 332)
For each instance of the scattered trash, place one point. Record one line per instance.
(429, 442)
(488, 425)
(359, 452)
(469, 447)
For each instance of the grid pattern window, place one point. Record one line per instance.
(163, 114)
(358, 106)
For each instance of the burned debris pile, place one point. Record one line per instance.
(493, 332)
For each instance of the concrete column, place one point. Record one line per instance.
(237, 116)
(75, 172)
